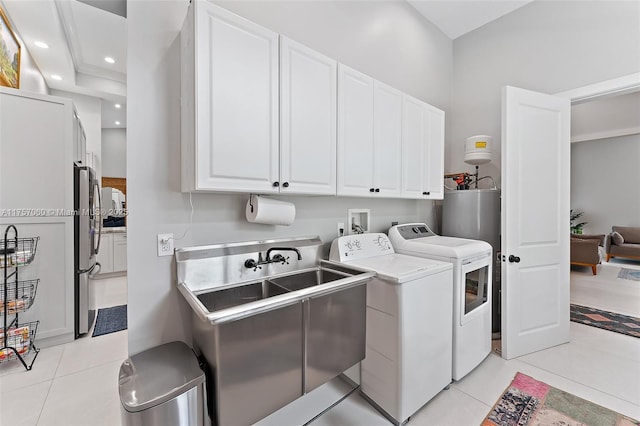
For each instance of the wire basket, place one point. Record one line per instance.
(20, 339)
(17, 252)
(20, 296)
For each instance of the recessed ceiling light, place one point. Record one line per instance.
(41, 44)
(117, 123)
(109, 60)
(56, 77)
(117, 105)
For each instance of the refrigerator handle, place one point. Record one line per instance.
(100, 220)
(93, 272)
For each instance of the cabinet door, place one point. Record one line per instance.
(415, 121)
(237, 102)
(308, 120)
(435, 155)
(387, 140)
(119, 252)
(355, 133)
(105, 254)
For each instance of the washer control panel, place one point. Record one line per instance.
(360, 246)
(410, 231)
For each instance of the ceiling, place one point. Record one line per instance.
(458, 17)
(79, 38)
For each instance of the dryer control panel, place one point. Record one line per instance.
(410, 231)
(360, 246)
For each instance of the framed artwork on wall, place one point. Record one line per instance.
(9, 54)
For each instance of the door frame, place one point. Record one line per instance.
(617, 86)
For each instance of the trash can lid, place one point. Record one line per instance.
(157, 375)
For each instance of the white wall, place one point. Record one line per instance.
(388, 40)
(31, 78)
(89, 110)
(605, 183)
(547, 46)
(114, 153)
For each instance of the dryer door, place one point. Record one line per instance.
(475, 291)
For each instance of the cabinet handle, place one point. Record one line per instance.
(372, 190)
(426, 193)
(276, 184)
(286, 184)
(377, 189)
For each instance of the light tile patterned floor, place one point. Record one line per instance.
(76, 383)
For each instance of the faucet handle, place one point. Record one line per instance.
(280, 258)
(250, 263)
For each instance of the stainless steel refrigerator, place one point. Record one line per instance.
(87, 227)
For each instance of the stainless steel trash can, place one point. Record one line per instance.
(163, 386)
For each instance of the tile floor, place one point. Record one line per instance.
(75, 384)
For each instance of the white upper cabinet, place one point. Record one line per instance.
(387, 140)
(307, 120)
(355, 132)
(229, 102)
(369, 136)
(422, 150)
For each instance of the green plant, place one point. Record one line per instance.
(574, 215)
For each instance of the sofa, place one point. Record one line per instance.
(625, 244)
(585, 250)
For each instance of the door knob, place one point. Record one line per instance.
(372, 190)
(377, 189)
(513, 259)
(276, 184)
(286, 184)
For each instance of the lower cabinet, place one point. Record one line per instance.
(112, 255)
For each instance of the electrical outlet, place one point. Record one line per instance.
(165, 244)
(340, 229)
(394, 223)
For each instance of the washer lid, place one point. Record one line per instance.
(157, 375)
(401, 268)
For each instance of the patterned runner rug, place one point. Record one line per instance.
(606, 320)
(528, 401)
(629, 274)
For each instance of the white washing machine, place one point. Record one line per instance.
(472, 269)
(409, 342)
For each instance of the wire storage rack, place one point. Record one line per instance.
(17, 339)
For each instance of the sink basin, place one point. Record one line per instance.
(221, 299)
(307, 279)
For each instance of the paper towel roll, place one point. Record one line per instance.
(270, 211)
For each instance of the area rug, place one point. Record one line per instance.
(629, 274)
(110, 320)
(528, 401)
(606, 320)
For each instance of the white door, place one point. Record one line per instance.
(535, 221)
(308, 120)
(237, 102)
(387, 140)
(355, 133)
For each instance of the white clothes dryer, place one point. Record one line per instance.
(472, 272)
(408, 338)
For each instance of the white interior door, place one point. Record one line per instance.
(535, 221)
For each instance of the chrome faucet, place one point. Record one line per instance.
(278, 258)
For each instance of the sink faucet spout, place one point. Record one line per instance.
(268, 258)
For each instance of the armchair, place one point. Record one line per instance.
(585, 250)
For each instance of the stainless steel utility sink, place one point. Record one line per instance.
(308, 279)
(234, 296)
(268, 328)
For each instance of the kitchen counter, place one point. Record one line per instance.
(114, 230)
